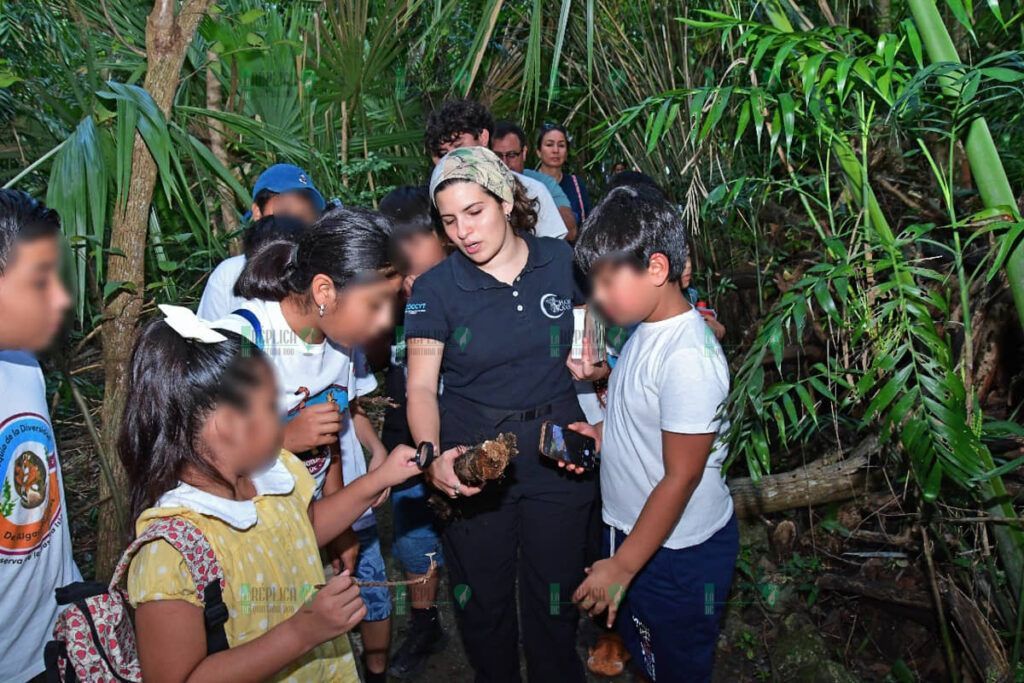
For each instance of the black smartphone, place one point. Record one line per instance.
(562, 443)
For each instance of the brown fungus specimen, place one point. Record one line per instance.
(476, 466)
(487, 461)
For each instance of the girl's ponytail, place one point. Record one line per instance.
(268, 273)
(346, 245)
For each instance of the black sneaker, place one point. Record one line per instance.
(423, 638)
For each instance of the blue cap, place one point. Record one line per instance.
(281, 178)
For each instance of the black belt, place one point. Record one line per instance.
(500, 415)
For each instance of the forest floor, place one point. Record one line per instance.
(778, 626)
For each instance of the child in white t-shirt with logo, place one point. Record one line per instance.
(671, 534)
(35, 546)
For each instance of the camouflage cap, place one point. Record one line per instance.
(477, 165)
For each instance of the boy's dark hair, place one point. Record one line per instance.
(175, 383)
(631, 224)
(262, 198)
(454, 118)
(346, 244)
(635, 179)
(270, 228)
(23, 219)
(409, 209)
(505, 128)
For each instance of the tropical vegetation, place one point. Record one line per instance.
(851, 172)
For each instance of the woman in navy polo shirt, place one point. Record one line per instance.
(494, 321)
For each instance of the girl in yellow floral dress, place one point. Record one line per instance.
(201, 442)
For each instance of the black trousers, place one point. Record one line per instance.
(530, 530)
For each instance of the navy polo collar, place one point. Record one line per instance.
(471, 278)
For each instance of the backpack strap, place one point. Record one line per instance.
(202, 565)
(579, 196)
(257, 328)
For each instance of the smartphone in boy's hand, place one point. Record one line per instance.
(568, 446)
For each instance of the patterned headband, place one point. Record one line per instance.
(477, 165)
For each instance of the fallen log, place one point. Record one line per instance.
(978, 638)
(888, 593)
(831, 478)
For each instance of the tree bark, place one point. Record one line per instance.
(168, 34)
(828, 479)
(228, 215)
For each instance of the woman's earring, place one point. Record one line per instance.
(508, 217)
(322, 308)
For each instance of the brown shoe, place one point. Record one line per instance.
(609, 656)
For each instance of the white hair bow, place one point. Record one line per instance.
(186, 323)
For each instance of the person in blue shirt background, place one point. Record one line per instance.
(509, 144)
(494, 321)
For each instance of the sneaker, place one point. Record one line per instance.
(423, 638)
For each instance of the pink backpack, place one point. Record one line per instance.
(94, 639)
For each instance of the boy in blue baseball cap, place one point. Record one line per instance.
(283, 194)
(286, 189)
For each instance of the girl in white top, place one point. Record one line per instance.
(309, 302)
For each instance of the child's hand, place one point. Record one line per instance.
(441, 475)
(585, 369)
(316, 425)
(396, 468)
(344, 551)
(603, 589)
(335, 609)
(594, 432)
(378, 458)
(716, 327)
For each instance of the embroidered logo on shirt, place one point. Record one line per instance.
(414, 308)
(29, 492)
(553, 307)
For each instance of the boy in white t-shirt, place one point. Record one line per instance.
(35, 546)
(672, 537)
(281, 190)
(219, 298)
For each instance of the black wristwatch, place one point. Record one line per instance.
(424, 455)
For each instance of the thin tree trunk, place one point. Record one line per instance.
(214, 99)
(883, 10)
(168, 35)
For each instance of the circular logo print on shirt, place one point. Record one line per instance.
(553, 307)
(29, 491)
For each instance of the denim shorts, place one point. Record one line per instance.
(370, 567)
(415, 531)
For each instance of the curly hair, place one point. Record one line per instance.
(523, 216)
(454, 118)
